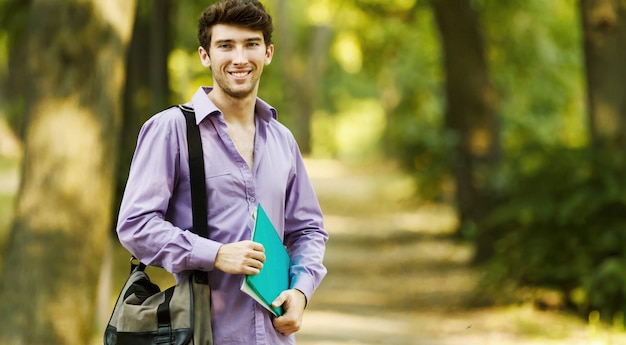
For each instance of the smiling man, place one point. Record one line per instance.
(250, 159)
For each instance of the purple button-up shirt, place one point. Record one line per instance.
(157, 207)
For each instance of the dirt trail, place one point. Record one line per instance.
(396, 278)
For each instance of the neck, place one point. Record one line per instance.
(235, 110)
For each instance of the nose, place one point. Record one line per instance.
(240, 56)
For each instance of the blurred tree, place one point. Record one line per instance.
(146, 90)
(13, 20)
(471, 107)
(604, 30)
(559, 223)
(302, 69)
(160, 47)
(73, 71)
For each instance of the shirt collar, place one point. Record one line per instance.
(203, 106)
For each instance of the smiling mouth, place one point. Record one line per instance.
(239, 74)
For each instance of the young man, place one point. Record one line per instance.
(250, 159)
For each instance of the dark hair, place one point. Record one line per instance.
(245, 13)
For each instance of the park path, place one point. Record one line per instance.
(396, 278)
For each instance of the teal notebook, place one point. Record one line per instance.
(273, 278)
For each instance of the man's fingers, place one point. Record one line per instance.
(255, 245)
(256, 255)
(287, 324)
(253, 264)
(245, 257)
(293, 302)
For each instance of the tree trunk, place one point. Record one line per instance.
(74, 74)
(470, 112)
(13, 90)
(302, 73)
(146, 90)
(160, 47)
(604, 32)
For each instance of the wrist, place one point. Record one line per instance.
(304, 298)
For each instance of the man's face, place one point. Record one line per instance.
(236, 57)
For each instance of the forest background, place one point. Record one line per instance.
(514, 112)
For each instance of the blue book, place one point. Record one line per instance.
(273, 278)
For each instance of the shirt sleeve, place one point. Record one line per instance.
(154, 174)
(305, 236)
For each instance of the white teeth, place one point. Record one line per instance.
(239, 74)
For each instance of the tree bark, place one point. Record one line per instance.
(303, 74)
(160, 47)
(74, 77)
(471, 102)
(146, 90)
(13, 90)
(604, 32)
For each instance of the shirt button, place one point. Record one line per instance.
(251, 199)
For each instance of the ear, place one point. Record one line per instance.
(205, 59)
(269, 53)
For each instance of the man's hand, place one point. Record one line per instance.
(293, 302)
(245, 257)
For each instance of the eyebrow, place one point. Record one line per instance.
(230, 40)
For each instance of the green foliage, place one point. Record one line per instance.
(13, 24)
(535, 55)
(606, 289)
(403, 58)
(426, 152)
(535, 60)
(562, 226)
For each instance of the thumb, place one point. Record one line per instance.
(280, 299)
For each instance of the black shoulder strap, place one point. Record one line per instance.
(196, 174)
(199, 204)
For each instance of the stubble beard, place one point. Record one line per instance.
(236, 93)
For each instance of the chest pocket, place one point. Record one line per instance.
(223, 187)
